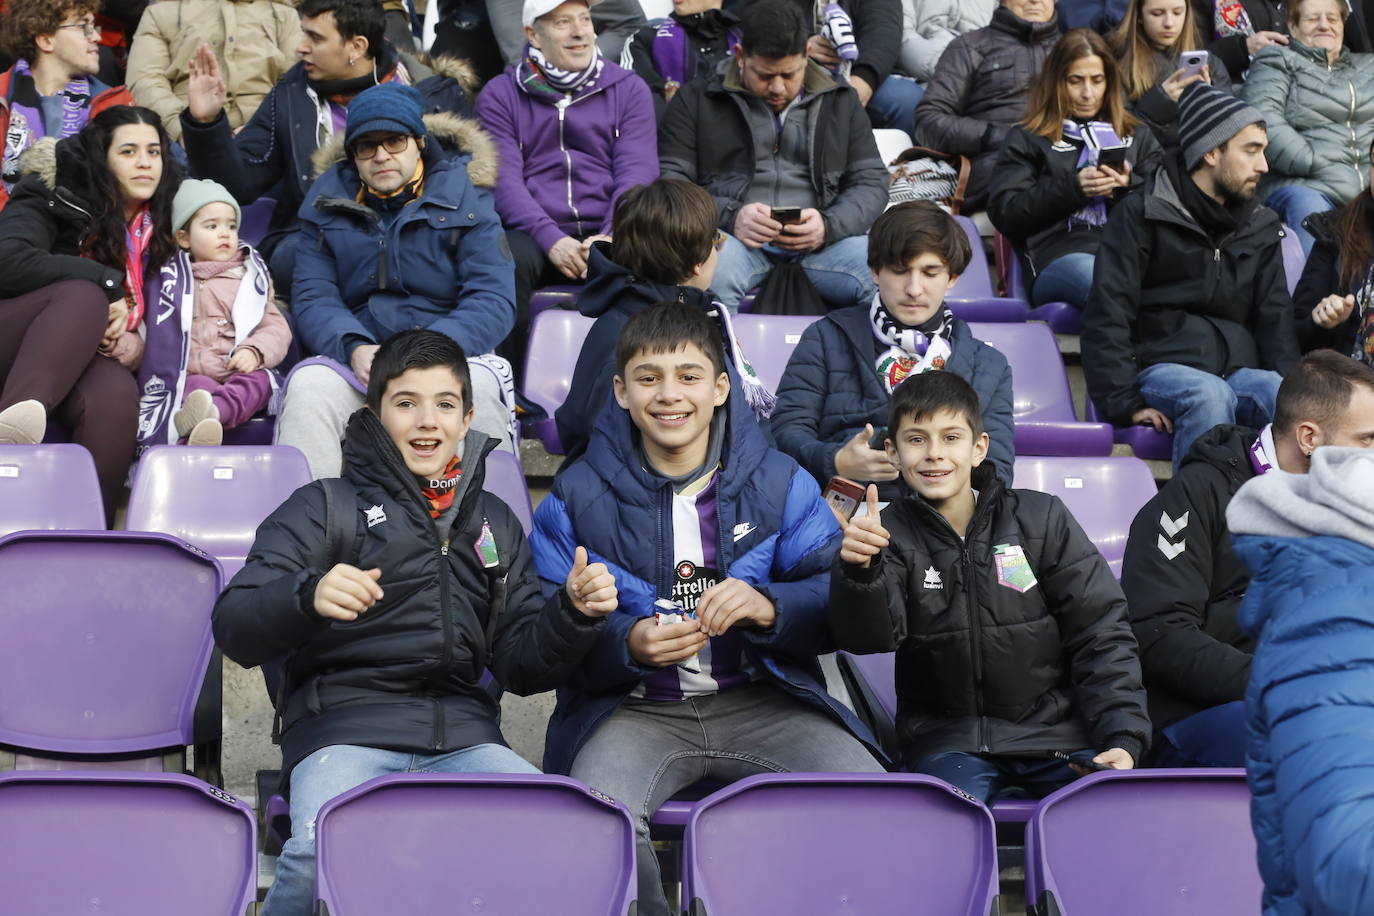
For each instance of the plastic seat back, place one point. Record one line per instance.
(48, 487)
(506, 478)
(768, 342)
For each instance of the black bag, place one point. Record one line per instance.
(787, 290)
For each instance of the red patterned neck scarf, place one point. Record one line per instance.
(439, 492)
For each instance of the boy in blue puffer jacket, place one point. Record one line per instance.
(681, 498)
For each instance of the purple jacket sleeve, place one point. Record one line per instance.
(497, 110)
(635, 158)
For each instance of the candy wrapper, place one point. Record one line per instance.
(668, 612)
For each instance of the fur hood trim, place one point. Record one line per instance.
(454, 68)
(463, 135)
(41, 159)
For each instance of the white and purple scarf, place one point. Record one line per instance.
(1262, 453)
(560, 81)
(167, 342)
(1093, 136)
(909, 351)
(26, 115)
(756, 393)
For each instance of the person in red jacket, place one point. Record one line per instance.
(51, 90)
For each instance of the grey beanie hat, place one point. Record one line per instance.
(1207, 118)
(195, 193)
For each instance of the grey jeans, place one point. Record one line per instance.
(646, 752)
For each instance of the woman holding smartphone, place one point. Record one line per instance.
(1317, 98)
(1160, 53)
(1077, 152)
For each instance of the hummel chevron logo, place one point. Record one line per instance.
(1171, 527)
(1170, 550)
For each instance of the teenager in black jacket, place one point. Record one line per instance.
(385, 642)
(1011, 634)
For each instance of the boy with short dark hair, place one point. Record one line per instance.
(838, 385)
(431, 560)
(681, 498)
(1011, 635)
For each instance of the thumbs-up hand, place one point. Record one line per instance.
(590, 588)
(864, 535)
(859, 462)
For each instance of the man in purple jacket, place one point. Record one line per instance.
(574, 131)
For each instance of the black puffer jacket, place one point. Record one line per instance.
(979, 91)
(1165, 292)
(1184, 585)
(1046, 663)
(706, 138)
(405, 675)
(1036, 190)
(1321, 277)
(1265, 16)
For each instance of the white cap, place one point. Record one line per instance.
(536, 8)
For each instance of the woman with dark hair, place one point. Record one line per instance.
(1334, 301)
(89, 218)
(1148, 43)
(1076, 153)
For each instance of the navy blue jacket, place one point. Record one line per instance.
(1310, 707)
(272, 153)
(831, 389)
(775, 533)
(441, 264)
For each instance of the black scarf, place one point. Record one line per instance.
(1216, 219)
(347, 88)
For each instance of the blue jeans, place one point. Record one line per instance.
(1196, 400)
(894, 104)
(839, 272)
(987, 778)
(1065, 279)
(1212, 738)
(1295, 203)
(646, 752)
(332, 771)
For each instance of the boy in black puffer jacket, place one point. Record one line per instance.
(1011, 635)
(386, 641)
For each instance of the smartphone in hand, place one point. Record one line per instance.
(844, 496)
(786, 215)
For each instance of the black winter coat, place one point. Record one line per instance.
(706, 138)
(979, 91)
(831, 389)
(272, 153)
(707, 37)
(1321, 277)
(1164, 293)
(1184, 585)
(1036, 190)
(1265, 16)
(406, 674)
(1044, 663)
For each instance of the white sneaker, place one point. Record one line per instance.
(23, 423)
(207, 432)
(197, 407)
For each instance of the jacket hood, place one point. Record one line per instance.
(610, 285)
(41, 159)
(1226, 448)
(1004, 20)
(816, 80)
(462, 136)
(452, 68)
(1315, 55)
(1336, 497)
(1163, 202)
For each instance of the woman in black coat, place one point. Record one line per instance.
(1054, 186)
(90, 218)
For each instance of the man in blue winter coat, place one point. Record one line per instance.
(720, 548)
(399, 233)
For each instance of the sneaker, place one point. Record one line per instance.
(197, 407)
(23, 423)
(207, 432)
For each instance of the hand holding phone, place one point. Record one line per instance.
(786, 215)
(1192, 62)
(843, 496)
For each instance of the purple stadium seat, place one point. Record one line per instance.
(256, 218)
(973, 298)
(506, 478)
(554, 297)
(1294, 260)
(106, 637)
(1104, 495)
(768, 342)
(1144, 441)
(430, 844)
(48, 486)
(839, 843)
(124, 845)
(259, 430)
(1060, 316)
(1042, 402)
(214, 497)
(1180, 845)
(555, 340)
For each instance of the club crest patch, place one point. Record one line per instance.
(1013, 569)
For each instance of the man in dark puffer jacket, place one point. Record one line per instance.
(1011, 634)
(386, 642)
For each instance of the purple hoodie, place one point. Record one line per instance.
(561, 176)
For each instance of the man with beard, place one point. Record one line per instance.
(1189, 323)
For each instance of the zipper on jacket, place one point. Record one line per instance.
(447, 619)
(381, 261)
(975, 643)
(562, 106)
(1354, 140)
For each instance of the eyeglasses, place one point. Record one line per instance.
(366, 149)
(719, 241)
(88, 28)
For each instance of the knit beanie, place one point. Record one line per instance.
(195, 193)
(388, 107)
(1207, 118)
